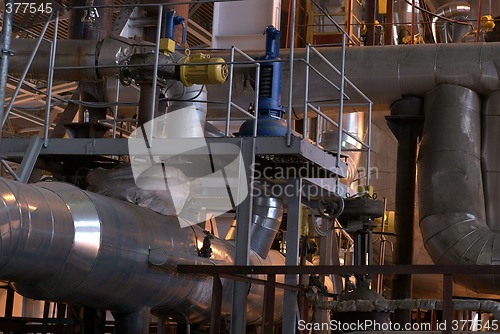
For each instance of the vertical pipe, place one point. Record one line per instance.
(5, 53)
(306, 93)
(147, 103)
(132, 323)
(154, 95)
(412, 21)
(290, 80)
(479, 10)
(370, 19)
(230, 93)
(341, 103)
(48, 102)
(389, 20)
(369, 144)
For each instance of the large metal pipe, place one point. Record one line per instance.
(459, 11)
(385, 73)
(490, 159)
(266, 221)
(399, 71)
(93, 250)
(451, 201)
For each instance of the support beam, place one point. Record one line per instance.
(290, 305)
(405, 122)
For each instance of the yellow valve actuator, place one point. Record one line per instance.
(201, 69)
(487, 22)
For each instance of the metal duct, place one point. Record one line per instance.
(459, 11)
(402, 20)
(61, 243)
(490, 160)
(69, 53)
(451, 201)
(266, 221)
(76, 53)
(354, 124)
(191, 102)
(384, 73)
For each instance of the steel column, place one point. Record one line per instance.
(216, 305)
(132, 323)
(8, 16)
(292, 253)
(242, 240)
(405, 122)
(268, 314)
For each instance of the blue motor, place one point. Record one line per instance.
(271, 113)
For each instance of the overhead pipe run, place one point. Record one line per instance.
(385, 73)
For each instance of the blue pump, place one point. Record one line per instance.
(271, 113)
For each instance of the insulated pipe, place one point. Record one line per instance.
(455, 10)
(385, 73)
(64, 244)
(69, 53)
(190, 105)
(490, 160)
(266, 221)
(399, 71)
(451, 201)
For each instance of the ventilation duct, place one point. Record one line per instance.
(266, 221)
(64, 244)
(445, 31)
(402, 21)
(450, 186)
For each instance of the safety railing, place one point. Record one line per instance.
(341, 105)
(446, 324)
(231, 105)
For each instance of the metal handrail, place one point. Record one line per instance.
(344, 82)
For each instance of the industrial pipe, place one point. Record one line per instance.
(385, 73)
(451, 200)
(91, 250)
(457, 11)
(266, 221)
